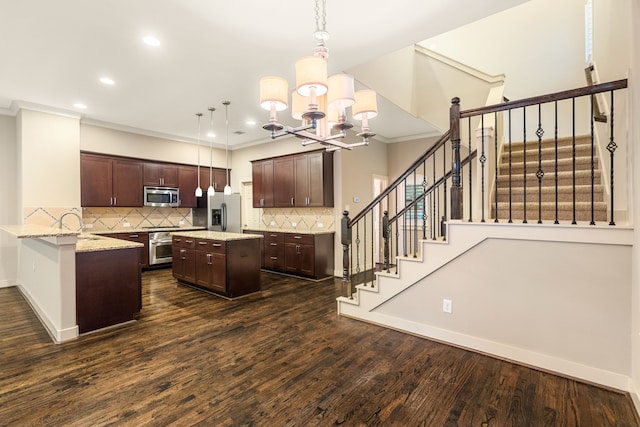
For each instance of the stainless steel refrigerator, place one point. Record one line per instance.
(224, 213)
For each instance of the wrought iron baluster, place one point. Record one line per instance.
(424, 200)
(470, 175)
(357, 250)
(611, 146)
(593, 163)
(397, 224)
(373, 259)
(435, 217)
(524, 159)
(555, 137)
(495, 157)
(385, 237)
(345, 235)
(483, 160)
(539, 172)
(414, 232)
(573, 157)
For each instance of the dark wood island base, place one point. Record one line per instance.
(226, 264)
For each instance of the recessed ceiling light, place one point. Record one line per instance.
(107, 81)
(251, 122)
(151, 41)
(80, 105)
(211, 135)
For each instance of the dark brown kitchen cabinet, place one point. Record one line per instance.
(187, 183)
(230, 268)
(106, 181)
(314, 179)
(211, 268)
(262, 173)
(217, 176)
(299, 254)
(160, 174)
(142, 237)
(183, 258)
(301, 180)
(108, 288)
(273, 253)
(283, 182)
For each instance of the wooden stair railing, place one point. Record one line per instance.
(432, 187)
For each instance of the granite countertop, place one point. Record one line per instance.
(291, 230)
(216, 235)
(92, 243)
(34, 231)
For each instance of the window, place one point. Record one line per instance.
(413, 192)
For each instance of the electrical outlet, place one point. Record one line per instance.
(126, 224)
(320, 225)
(88, 225)
(447, 305)
(180, 222)
(293, 224)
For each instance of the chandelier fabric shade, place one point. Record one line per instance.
(274, 91)
(341, 91)
(311, 72)
(366, 105)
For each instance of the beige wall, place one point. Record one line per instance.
(49, 160)
(635, 185)
(110, 141)
(9, 211)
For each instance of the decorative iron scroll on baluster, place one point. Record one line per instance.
(385, 237)
(345, 237)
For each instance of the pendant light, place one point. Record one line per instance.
(227, 188)
(211, 191)
(198, 189)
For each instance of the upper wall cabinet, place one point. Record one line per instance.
(187, 183)
(300, 180)
(160, 174)
(106, 181)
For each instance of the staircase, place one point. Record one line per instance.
(545, 196)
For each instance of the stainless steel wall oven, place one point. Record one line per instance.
(159, 248)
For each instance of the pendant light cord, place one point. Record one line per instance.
(226, 114)
(211, 151)
(199, 117)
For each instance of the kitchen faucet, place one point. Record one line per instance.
(82, 224)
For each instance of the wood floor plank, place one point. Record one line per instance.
(281, 357)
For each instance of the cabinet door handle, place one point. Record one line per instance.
(202, 243)
(292, 201)
(297, 237)
(274, 257)
(134, 236)
(273, 235)
(209, 259)
(297, 249)
(217, 245)
(188, 241)
(273, 244)
(177, 239)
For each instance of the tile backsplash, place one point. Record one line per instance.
(299, 218)
(105, 219)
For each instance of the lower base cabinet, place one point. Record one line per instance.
(230, 268)
(309, 255)
(108, 288)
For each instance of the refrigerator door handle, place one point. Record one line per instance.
(224, 216)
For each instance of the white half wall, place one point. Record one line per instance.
(9, 185)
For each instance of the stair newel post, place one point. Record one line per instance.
(456, 188)
(385, 237)
(345, 236)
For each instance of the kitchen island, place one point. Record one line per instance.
(226, 264)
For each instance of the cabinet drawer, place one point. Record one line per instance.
(210, 245)
(274, 257)
(184, 242)
(270, 236)
(302, 239)
(134, 237)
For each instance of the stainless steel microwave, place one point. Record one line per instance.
(161, 197)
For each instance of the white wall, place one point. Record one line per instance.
(9, 187)
(635, 184)
(572, 316)
(49, 160)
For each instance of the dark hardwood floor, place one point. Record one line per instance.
(279, 358)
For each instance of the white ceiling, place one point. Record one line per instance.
(54, 51)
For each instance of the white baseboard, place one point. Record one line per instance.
(57, 335)
(635, 397)
(522, 356)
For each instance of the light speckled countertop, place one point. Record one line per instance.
(216, 235)
(142, 230)
(92, 243)
(30, 231)
(291, 230)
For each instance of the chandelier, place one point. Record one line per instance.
(319, 101)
